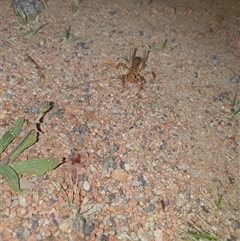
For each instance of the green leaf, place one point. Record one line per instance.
(11, 134)
(28, 141)
(10, 176)
(37, 166)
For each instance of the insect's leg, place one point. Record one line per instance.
(141, 82)
(124, 66)
(119, 65)
(153, 74)
(142, 64)
(123, 82)
(132, 57)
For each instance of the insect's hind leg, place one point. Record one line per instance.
(124, 66)
(152, 73)
(141, 81)
(123, 82)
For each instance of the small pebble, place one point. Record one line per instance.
(200, 35)
(60, 113)
(113, 12)
(235, 79)
(142, 180)
(12, 215)
(215, 59)
(21, 212)
(88, 227)
(158, 234)
(95, 124)
(22, 201)
(104, 237)
(195, 173)
(6, 43)
(170, 10)
(122, 164)
(82, 45)
(65, 225)
(150, 208)
(39, 236)
(181, 195)
(86, 186)
(5, 202)
(115, 110)
(15, 202)
(26, 110)
(9, 94)
(34, 224)
(183, 167)
(30, 9)
(9, 91)
(12, 80)
(119, 174)
(22, 233)
(33, 109)
(136, 183)
(223, 95)
(114, 148)
(237, 224)
(195, 74)
(63, 135)
(109, 163)
(78, 223)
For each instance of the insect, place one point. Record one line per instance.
(135, 66)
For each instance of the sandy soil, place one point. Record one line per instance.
(152, 167)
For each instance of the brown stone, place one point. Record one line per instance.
(170, 10)
(7, 237)
(133, 202)
(200, 35)
(32, 237)
(188, 10)
(21, 211)
(120, 209)
(112, 238)
(120, 175)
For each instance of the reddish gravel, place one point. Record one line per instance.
(151, 168)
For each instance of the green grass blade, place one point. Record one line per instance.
(67, 32)
(233, 103)
(11, 134)
(37, 30)
(74, 38)
(164, 44)
(235, 112)
(37, 166)
(25, 33)
(218, 201)
(22, 17)
(209, 236)
(203, 235)
(10, 176)
(28, 141)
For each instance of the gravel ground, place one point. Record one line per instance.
(152, 166)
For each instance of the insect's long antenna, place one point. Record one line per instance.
(144, 60)
(132, 56)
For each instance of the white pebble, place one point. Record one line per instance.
(86, 186)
